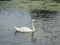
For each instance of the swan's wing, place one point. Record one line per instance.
(26, 29)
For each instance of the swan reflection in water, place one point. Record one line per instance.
(27, 30)
(33, 39)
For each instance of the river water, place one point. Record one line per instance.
(47, 32)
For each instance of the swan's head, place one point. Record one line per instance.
(33, 20)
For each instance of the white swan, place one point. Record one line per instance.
(26, 29)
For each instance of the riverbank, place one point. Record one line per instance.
(30, 5)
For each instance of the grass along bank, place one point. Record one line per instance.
(30, 5)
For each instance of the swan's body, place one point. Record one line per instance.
(25, 29)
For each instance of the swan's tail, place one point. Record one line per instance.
(15, 27)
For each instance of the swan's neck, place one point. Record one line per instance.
(33, 26)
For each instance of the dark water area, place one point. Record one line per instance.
(47, 32)
(43, 14)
